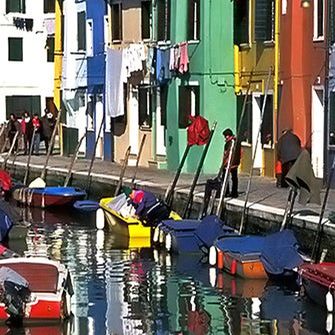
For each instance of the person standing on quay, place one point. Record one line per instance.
(48, 124)
(37, 126)
(27, 130)
(13, 127)
(288, 150)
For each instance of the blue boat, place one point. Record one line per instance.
(48, 196)
(191, 236)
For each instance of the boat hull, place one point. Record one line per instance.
(128, 226)
(48, 196)
(318, 280)
(50, 286)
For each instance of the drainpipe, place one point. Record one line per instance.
(58, 54)
(237, 77)
(276, 72)
(155, 90)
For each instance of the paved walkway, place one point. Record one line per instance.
(266, 201)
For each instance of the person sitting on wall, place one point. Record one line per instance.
(288, 150)
(148, 208)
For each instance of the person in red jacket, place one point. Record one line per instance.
(37, 138)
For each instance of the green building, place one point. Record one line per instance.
(207, 88)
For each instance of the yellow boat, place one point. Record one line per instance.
(138, 233)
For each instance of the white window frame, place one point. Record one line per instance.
(89, 38)
(316, 37)
(106, 32)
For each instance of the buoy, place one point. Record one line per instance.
(100, 219)
(220, 260)
(168, 242)
(212, 255)
(212, 276)
(330, 302)
(156, 234)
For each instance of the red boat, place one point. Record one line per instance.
(48, 196)
(49, 284)
(318, 281)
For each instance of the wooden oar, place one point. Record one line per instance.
(74, 158)
(10, 150)
(122, 172)
(254, 153)
(3, 128)
(170, 191)
(138, 160)
(189, 202)
(317, 241)
(26, 174)
(51, 144)
(93, 156)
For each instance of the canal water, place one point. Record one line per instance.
(121, 291)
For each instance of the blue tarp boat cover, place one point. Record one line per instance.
(59, 191)
(5, 225)
(278, 252)
(86, 205)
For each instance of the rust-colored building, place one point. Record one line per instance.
(302, 75)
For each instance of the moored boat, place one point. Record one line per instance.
(48, 196)
(129, 226)
(318, 281)
(46, 285)
(258, 257)
(191, 236)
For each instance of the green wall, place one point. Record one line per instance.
(212, 66)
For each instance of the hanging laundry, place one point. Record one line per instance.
(49, 25)
(163, 74)
(115, 77)
(183, 62)
(172, 55)
(176, 57)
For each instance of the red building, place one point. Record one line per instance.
(302, 74)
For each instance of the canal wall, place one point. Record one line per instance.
(265, 208)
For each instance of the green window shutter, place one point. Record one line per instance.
(49, 6)
(50, 49)
(15, 49)
(146, 14)
(15, 6)
(81, 30)
(264, 20)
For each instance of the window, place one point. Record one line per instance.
(264, 20)
(89, 38)
(15, 52)
(15, 6)
(193, 29)
(163, 17)
(241, 22)
(49, 6)
(144, 106)
(318, 20)
(188, 104)
(146, 15)
(50, 46)
(81, 22)
(245, 134)
(267, 124)
(117, 22)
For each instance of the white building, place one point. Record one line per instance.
(26, 56)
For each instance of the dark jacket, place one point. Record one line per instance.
(289, 147)
(236, 160)
(46, 128)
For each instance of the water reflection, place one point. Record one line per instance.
(141, 291)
